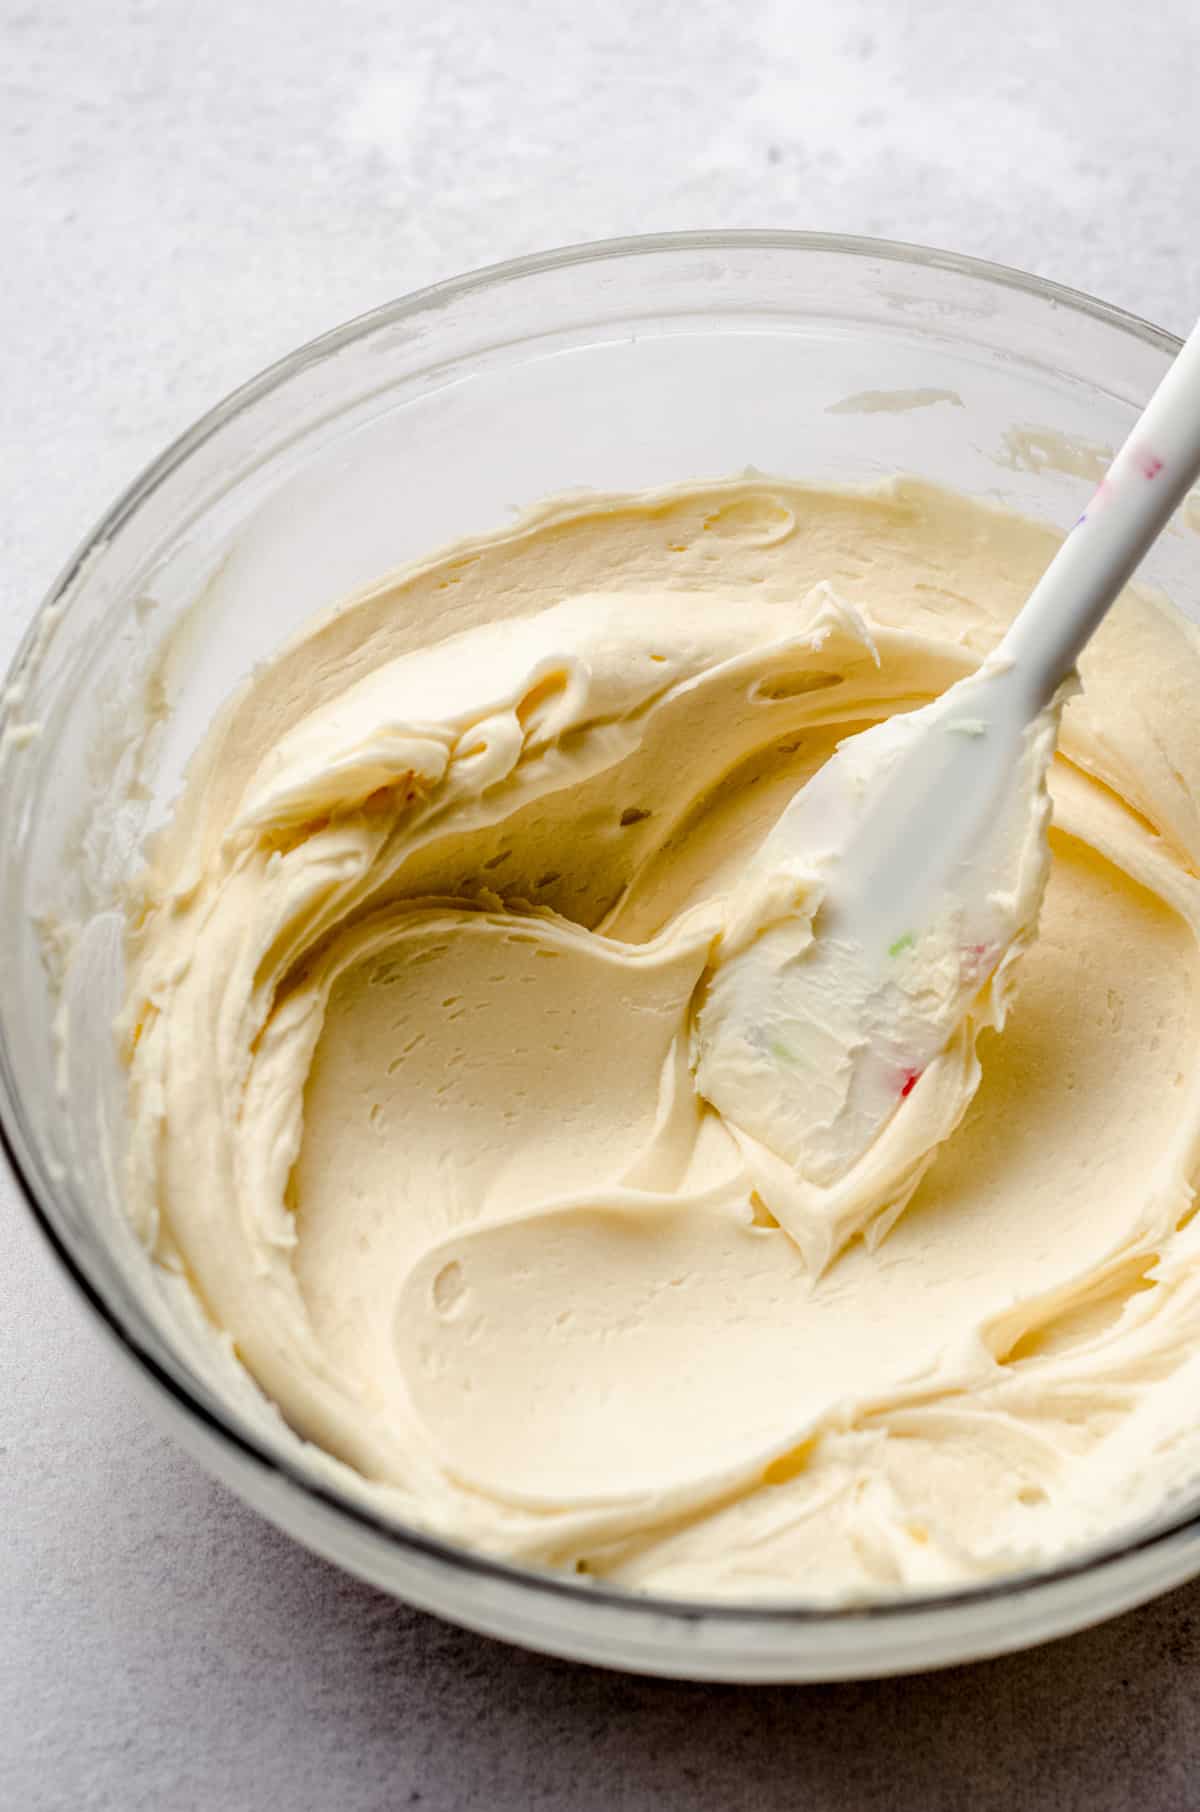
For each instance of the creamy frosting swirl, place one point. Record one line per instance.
(414, 979)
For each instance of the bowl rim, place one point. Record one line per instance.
(449, 1556)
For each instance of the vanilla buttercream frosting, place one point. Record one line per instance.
(419, 1112)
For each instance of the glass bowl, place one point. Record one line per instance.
(623, 366)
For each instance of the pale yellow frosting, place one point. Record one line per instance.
(414, 983)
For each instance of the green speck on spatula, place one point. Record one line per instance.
(901, 944)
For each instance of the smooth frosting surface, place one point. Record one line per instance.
(418, 1109)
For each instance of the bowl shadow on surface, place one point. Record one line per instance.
(1103, 1718)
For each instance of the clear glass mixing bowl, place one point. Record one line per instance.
(619, 366)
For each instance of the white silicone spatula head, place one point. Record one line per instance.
(911, 867)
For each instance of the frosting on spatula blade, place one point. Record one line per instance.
(875, 918)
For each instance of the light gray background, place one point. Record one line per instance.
(189, 190)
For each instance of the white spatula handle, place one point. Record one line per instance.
(1149, 477)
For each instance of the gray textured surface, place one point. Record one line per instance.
(187, 191)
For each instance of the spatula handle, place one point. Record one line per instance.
(1147, 480)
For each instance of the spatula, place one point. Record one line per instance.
(907, 855)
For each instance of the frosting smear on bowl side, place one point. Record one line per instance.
(420, 1112)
